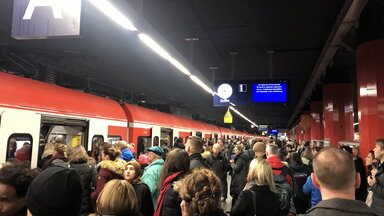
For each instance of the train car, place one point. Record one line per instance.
(33, 113)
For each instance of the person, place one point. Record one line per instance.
(312, 191)
(239, 173)
(110, 168)
(126, 154)
(194, 147)
(220, 166)
(369, 162)
(282, 178)
(78, 158)
(337, 180)
(117, 198)
(361, 192)
(175, 167)
(259, 149)
(59, 156)
(24, 153)
(55, 191)
(200, 192)
(151, 173)
(12, 148)
(307, 156)
(259, 192)
(15, 178)
(49, 148)
(376, 180)
(300, 173)
(143, 194)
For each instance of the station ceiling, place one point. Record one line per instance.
(236, 36)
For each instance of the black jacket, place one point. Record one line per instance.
(197, 161)
(239, 175)
(300, 173)
(172, 201)
(341, 207)
(267, 202)
(361, 192)
(144, 198)
(378, 191)
(88, 175)
(219, 165)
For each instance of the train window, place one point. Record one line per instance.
(96, 141)
(199, 134)
(19, 147)
(114, 139)
(143, 143)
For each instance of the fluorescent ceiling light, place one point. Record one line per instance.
(201, 84)
(241, 115)
(179, 66)
(154, 46)
(108, 9)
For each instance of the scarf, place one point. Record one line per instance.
(167, 182)
(48, 162)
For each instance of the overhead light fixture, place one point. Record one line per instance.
(147, 40)
(109, 10)
(243, 116)
(179, 66)
(201, 84)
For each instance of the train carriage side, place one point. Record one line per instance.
(33, 113)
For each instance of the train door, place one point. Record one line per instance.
(19, 135)
(56, 129)
(166, 137)
(143, 143)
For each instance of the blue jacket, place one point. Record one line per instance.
(310, 189)
(126, 155)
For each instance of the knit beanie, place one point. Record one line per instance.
(259, 147)
(56, 191)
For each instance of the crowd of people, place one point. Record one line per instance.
(273, 178)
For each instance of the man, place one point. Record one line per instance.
(336, 177)
(376, 180)
(194, 148)
(277, 166)
(15, 178)
(220, 166)
(361, 192)
(223, 149)
(56, 191)
(151, 173)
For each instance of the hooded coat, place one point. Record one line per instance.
(239, 175)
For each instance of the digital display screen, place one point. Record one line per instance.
(251, 92)
(269, 92)
(274, 131)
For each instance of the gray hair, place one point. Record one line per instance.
(272, 150)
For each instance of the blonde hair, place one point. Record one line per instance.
(239, 147)
(49, 148)
(260, 171)
(61, 149)
(121, 145)
(117, 198)
(77, 154)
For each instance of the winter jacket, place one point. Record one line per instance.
(341, 207)
(144, 198)
(361, 192)
(276, 165)
(310, 189)
(109, 170)
(197, 161)
(151, 176)
(239, 175)
(219, 165)
(88, 175)
(267, 202)
(126, 155)
(172, 201)
(300, 173)
(58, 160)
(378, 191)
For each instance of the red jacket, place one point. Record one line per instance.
(277, 164)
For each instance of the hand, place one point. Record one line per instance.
(231, 161)
(183, 206)
(374, 172)
(371, 180)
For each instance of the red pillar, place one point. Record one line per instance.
(370, 85)
(338, 112)
(317, 128)
(305, 124)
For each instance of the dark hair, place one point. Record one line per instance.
(289, 146)
(317, 149)
(112, 153)
(347, 149)
(177, 160)
(18, 175)
(295, 158)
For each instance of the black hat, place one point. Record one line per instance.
(56, 191)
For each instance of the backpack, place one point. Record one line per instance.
(283, 189)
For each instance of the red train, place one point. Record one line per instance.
(35, 112)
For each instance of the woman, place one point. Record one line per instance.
(78, 159)
(143, 194)
(260, 193)
(117, 199)
(307, 156)
(300, 173)
(110, 168)
(175, 167)
(239, 174)
(59, 156)
(200, 192)
(369, 162)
